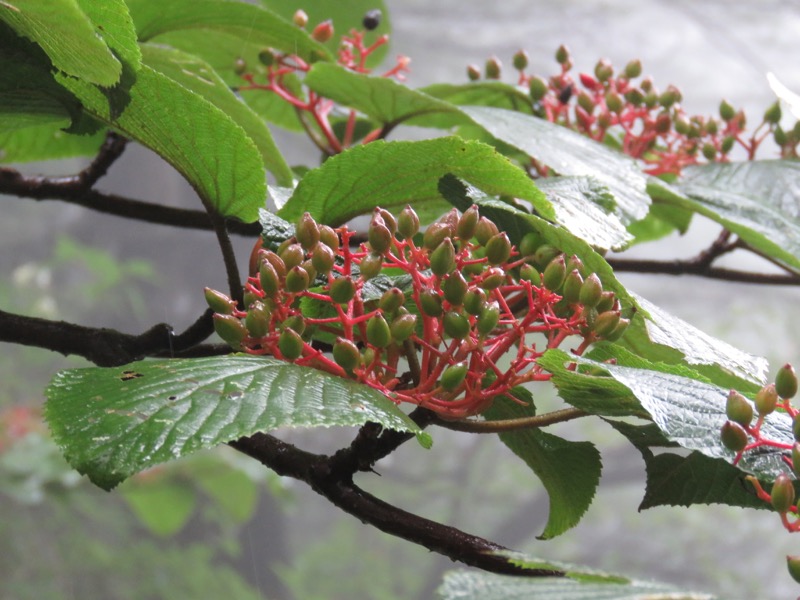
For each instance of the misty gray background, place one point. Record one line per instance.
(711, 50)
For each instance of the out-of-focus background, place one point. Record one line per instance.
(220, 526)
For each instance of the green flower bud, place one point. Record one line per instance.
(782, 494)
(379, 235)
(435, 234)
(618, 331)
(430, 303)
(408, 222)
(454, 288)
(219, 302)
(773, 113)
(633, 69)
(485, 230)
(572, 287)
(342, 290)
(292, 256)
(529, 273)
(474, 301)
(323, 258)
(726, 110)
(520, 60)
(346, 354)
(455, 324)
(453, 376)
(562, 54)
(793, 565)
(709, 151)
(371, 266)
(738, 408)
(297, 280)
(607, 302)
(591, 290)
(239, 66)
(796, 428)
(329, 237)
(465, 228)
(669, 97)
(529, 243)
(391, 300)
(323, 32)
(230, 329)
(249, 298)
(498, 249)
(290, 344)
(268, 278)
(733, 436)
(276, 262)
(473, 72)
(367, 356)
(634, 97)
(766, 400)
(488, 319)
(443, 259)
(586, 102)
(555, 273)
(257, 320)
(606, 322)
(614, 102)
(493, 67)
(378, 332)
(786, 382)
(603, 70)
(403, 326)
(388, 219)
(537, 88)
(544, 254)
(493, 278)
(296, 323)
(727, 144)
(307, 231)
(266, 57)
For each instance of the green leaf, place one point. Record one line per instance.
(251, 24)
(757, 200)
(113, 24)
(390, 174)
(585, 207)
(197, 76)
(481, 93)
(662, 220)
(67, 35)
(46, 142)
(346, 15)
(162, 504)
(383, 99)
(477, 585)
(274, 230)
(198, 139)
(115, 422)
(570, 153)
(570, 471)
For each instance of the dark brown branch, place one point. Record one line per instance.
(689, 267)
(104, 347)
(319, 472)
(110, 151)
(70, 189)
(543, 420)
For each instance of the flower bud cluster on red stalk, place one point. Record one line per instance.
(275, 67)
(464, 304)
(649, 124)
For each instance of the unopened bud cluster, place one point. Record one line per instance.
(423, 317)
(650, 124)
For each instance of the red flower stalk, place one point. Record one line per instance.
(448, 320)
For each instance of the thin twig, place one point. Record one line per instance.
(684, 267)
(502, 426)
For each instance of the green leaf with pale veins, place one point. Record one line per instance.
(115, 422)
(197, 76)
(113, 23)
(67, 35)
(570, 153)
(569, 471)
(391, 174)
(46, 142)
(205, 145)
(757, 200)
(251, 24)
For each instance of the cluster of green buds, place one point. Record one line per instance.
(650, 124)
(424, 317)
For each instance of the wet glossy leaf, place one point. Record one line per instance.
(115, 422)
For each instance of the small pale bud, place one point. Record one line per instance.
(606, 322)
(342, 290)
(454, 288)
(520, 60)
(300, 18)
(555, 273)
(537, 88)
(726, 110)
(493, 278)
(488, 319)
(371, 266)
(346, 354)
(403, 326)
(307, 231)
(633, 69)
(498, 249)
(453, 376)
(474, 301)
(292, 256)
(430, 303)
(562, 55)
(465, 228)
(485, 230)
(391, 300)
(435, 234)
(323, 258)
(529, 243)
(219, 302)
(591, 291)
(329, 237)
(379, 235)
(572, 287)
(257, 320)
(297, 280)
(493, 68)
(473, 72)
(268, 278)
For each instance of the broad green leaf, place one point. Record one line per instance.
(67, 35)
(382, 99)
(274, 230)
(585, 207)
(113, 23)
(570, 153)
(162, 504)
(198, 139)
(569, 471)
(691, 412)
(115, 422)
(46, 142)
(481, 93)
(251, 24)
(345, 14)
(477, 585)
(710, 356)
(197, 76)
(391, 174)
(662, 220)
(757, 200)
